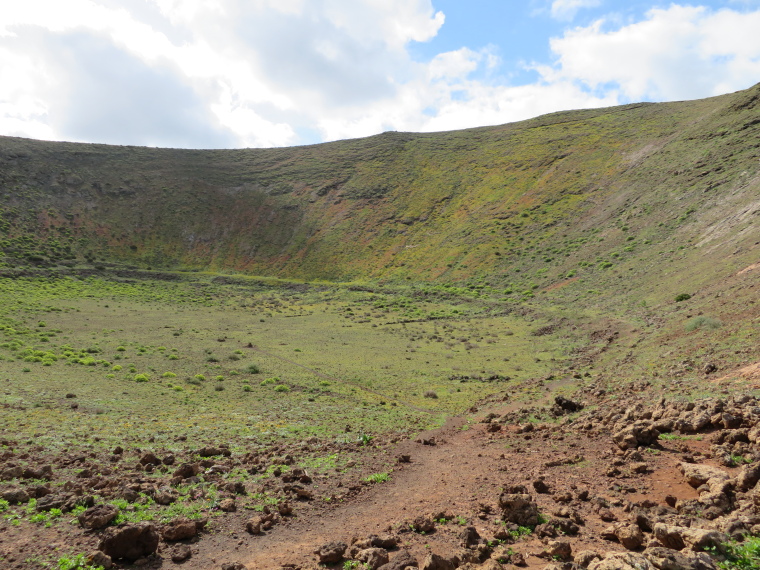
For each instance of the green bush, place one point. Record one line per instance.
(141, 377)
(743, 555)
(377, 478)
(169, 375)
(253, 369)
(703, 322)
(282, 388)
(682, 297)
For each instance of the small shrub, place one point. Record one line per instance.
(247, 388)
(141, 377)
(218, 388)
(200, 377)
(78, 562)
(116, 368)
(282, 388)
(253, 369)
(743, 555)
(120, 348)
(234, 357)
(682, 297)
(212, 358)
(377, 478)
(169, 375)
(703, 322)
(430, 394)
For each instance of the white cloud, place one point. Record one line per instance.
(682, 52)
(567, 9)
(204, 73)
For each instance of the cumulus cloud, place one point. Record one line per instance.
(231, 73)
(680, 52)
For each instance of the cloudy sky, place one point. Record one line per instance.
(260, 73)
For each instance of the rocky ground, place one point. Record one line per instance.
(596, 482)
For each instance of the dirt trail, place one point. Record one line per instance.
(439, 478)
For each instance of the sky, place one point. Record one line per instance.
(266, 73)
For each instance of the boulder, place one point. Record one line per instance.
(165, 496)
(181, 553)
(679, 537)
(49, 502)
(667, 559)
(586, 557)
(557, 550)
(519, 508)
(331, 552)
(98, 516)
(402, 560)
(180, 529)
(621, 561)
(638, 433)
(15, 495)
(423, 524)
(149, 458)
(697, 475)
(129, 541)
(374, 558)
(629, 535)
(97, 559)
(227, 505)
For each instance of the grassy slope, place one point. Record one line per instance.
(598, 215)
(447, 206)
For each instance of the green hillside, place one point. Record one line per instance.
(624, 197)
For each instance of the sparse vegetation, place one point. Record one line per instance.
(702, 322)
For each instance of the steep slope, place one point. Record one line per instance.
(522, 206)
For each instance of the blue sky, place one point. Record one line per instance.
(261, 73)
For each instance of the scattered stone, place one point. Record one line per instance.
(540, 486)
(639, 433)
(639, 467)
(98, 516)
(227, 505)
(697, 475)
(331, 552)
(586, 557)
(519, 508)
(129, 541)
(621, 561)
(187, 470)
(180, 529)
(15, 495)
(630, 536)
(678, 537)
(49, 502)
(374, 558)
(401, 561)
(149, 459)
(165, 496)
(667, 559)
(99, 558)
(181, 553)
(423, 523)
(557, 550)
